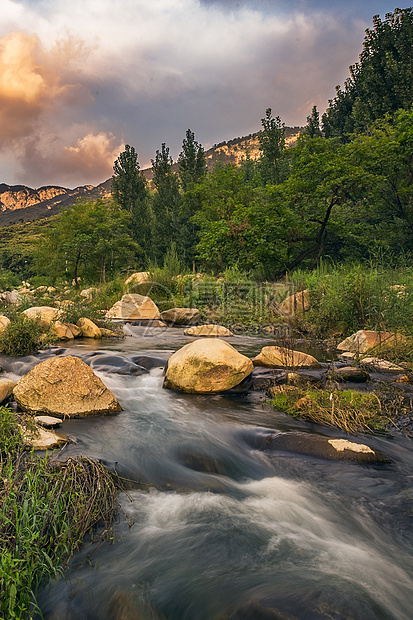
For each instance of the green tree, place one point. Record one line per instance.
(166, 203)
(272, 146)
(312, 130)
(129, 188)
(87, 240)
(382, 80)
(191, 161)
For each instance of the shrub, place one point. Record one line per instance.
(22, 336)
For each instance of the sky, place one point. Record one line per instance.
(79, 79)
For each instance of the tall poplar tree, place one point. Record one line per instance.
(129, 188)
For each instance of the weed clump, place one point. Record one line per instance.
(22, 336)
(46, 509)
(351, 411)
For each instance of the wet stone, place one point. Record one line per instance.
(325, 447)
(116, 365)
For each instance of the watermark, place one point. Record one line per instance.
(244, 307)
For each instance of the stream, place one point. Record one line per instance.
(227, 529)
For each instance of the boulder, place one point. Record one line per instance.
(139, 277)
(11, 298)
(318, 445)
(134, 307)
(109, 333)
(89, 329)
(64, 386)
(40, 439)
(280, 357)
(299, 302)
(208, 330)
(350, 373)
(44, 315)
(181, 316)
(76, 331)
(88, 293)
(62, 331)
(364, 340)
(206, 366)
(6, 388)
(4, 321)
(378, 365)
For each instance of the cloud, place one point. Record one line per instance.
(88, 161)
(143, 72)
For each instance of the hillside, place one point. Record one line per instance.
(19, 203)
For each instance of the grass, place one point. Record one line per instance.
(22, 336)
(47, 508)
(351, 411)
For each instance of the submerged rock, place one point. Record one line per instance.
(378, 365)
(318, 445)
(206, 366)
(350, 373)
(64, 386)
(116, 364)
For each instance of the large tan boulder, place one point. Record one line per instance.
(134, 307)
(6, 388)
(206, 366)
(44, 315)
(181, 316)
(208, 330)
(364, 340)
(299, 302)
(139, 277)
(280, 357)
(4, 321)
(89, 328)
(64, 386)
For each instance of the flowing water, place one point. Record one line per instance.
(228, 529)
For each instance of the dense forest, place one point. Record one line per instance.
(344, 190)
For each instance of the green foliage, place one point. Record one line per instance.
(22, 336)
(191, 161)
(382, 80)
(346, 298)
(272, 144)
(167, 218)
(312, 130)
(90, 240)
(348, 410)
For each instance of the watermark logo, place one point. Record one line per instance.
(246, 308)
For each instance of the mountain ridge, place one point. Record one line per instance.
(19, 203)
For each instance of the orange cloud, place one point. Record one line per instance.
(32, 81)
(89, 160)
